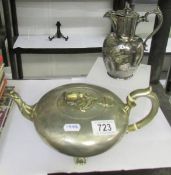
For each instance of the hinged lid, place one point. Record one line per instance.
(127, 12)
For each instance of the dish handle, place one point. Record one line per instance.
(153, 111)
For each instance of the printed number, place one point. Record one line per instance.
(104, 127)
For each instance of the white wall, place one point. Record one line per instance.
(78, 17)
(54, 65)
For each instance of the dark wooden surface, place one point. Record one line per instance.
(158, 171)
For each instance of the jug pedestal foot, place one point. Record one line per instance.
(80, 160)
(118, 77)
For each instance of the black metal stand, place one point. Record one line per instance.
(58, 34)
(159, 41)
(2, 42)
(4, 52)
(9, 33)
(168, 82)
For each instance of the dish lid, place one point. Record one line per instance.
(80, 119)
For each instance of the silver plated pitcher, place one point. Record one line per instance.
(123, 49)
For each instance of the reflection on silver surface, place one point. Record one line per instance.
(122, 49)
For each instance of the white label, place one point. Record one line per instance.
(103, 127)
(72, 127)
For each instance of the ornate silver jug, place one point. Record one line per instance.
(122, 49)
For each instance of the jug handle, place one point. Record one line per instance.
(154, 108)
(158, 12)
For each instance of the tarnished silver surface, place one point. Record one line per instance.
(122, 49)
(83, 120)
(95, 104)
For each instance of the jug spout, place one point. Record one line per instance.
(108, 14)
(111, 15)
(25, 109)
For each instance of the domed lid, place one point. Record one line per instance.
(80, 119)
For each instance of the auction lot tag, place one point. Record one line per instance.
(72, 127)
(103, 127)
